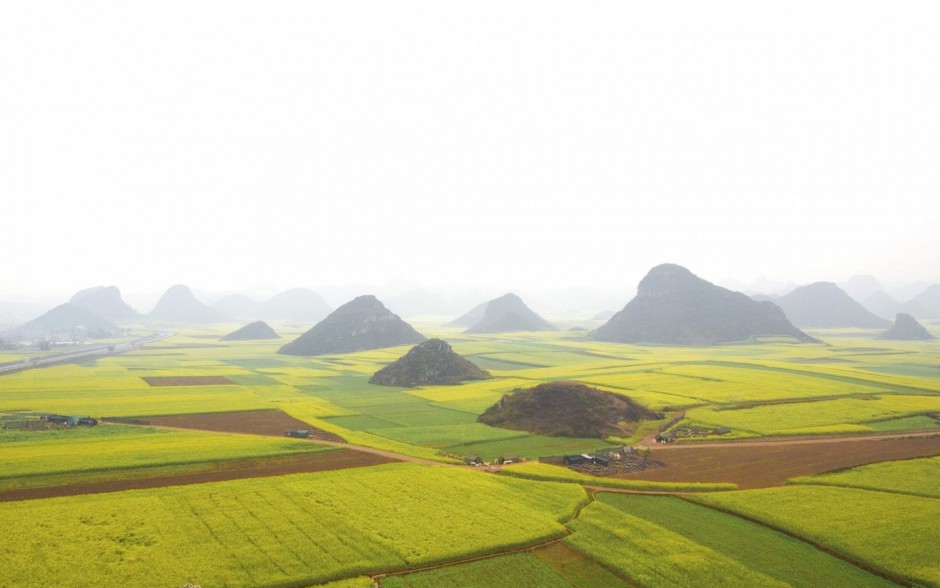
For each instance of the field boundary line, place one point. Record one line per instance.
(890, 576)
(377, 578)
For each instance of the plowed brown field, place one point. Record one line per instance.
(216, 472)
(772, 464)
(252, 422)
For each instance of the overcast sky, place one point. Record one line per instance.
(507, 145)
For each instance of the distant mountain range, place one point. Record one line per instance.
(104, 301)
(825, 305)
(179, 305)
(69, 320)
(296, 304)
(673, 306)
(506, 314)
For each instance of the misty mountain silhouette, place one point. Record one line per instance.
(363, 323)
(178, 304)
(508, 313)
(929, 301)
(69, 319)
(104, 301)
(471, 317)
(673, 306)
(824, 304)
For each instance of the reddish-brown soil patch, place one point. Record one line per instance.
(252, 422)
(188, 381)
(216, 472)
(772, 464)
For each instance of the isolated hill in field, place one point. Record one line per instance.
(906, 328)
(567, 409)
(71, 319)
(929, 300)
(508, 313)
(251, 332)
(432, 362)
(296, 304)
(881, 304)
(673, 306)
(824, 304)
(471, 317)
(178, 304)
(104, 301)
(238, 306)
(363, 323)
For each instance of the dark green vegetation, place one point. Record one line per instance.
(429, 363)
(567, 409)
(363, 323)
(251, 332)
(179, 305)
(507, 314)
(906, 328)
(675, 307)
(824, 304)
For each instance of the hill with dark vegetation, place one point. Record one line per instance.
(70, 320)
(363, 323)
(673, 306)
(507, 314)
(252, 332)
(906, 328)
(104, 301)
(567, 409)
(179, 305)
(825, 305)
(426, 364)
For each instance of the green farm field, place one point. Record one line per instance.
(346, 525)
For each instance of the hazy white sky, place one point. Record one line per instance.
(499, 144)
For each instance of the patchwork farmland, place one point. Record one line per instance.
(190, 478)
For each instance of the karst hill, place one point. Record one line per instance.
(507, 314)
(825, 305)
(255, 331)
(70, 320)
(906, 328)
(673, 306)
(567, 409)
(363, 323)
(104, 301)
(179, 305)
(427, 364)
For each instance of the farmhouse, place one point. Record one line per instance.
(298, 433)
(508, 459)
(472, 460)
